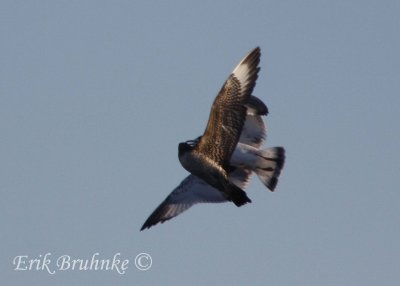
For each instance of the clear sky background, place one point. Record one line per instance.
(96, 95)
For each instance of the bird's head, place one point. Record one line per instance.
(188, 145)
(184, 147)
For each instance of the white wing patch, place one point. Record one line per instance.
(254, 131)
(242, 72)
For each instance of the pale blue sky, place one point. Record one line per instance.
(96, 95)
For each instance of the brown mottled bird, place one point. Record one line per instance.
(248, 158)
(209, 158)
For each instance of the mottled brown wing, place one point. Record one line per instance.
(228, 112)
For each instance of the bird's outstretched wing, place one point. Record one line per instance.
(192, 190)
(228, 112)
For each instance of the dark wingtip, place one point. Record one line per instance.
(151, 222)
(153, 219)
(258, 105)
(252, 59)
(146, 225)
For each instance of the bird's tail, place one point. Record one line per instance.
(269, 166)
(237, 195)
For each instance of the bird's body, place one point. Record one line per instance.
(202, 166)
(215, 175)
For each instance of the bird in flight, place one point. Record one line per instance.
(222, 160)
(209, 158)
(247, 158)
